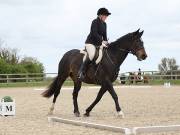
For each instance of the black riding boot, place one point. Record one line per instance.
(83, 69)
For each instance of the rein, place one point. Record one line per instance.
(109, 57)
(123, 50)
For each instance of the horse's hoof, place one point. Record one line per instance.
(120, 114)
(50, 112)
(77, 114)
(86, 114)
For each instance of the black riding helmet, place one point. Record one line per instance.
(103, 11)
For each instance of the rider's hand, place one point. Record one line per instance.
(105, 44)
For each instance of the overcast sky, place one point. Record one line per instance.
(46, 29)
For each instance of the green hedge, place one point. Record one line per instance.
(20, 68)
(6, 68)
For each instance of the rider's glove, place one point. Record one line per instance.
(105, 44)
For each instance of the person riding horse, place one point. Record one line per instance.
(139, 74)
(96, 38)
(106, 73)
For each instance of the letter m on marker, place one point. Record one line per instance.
(9, 108)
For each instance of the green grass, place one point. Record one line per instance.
(32, 84)
(70, 83)
(161, 82)
(38, 84)
(157, 82)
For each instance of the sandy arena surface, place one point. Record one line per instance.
(149, 106)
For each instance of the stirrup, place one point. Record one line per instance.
(81, 76)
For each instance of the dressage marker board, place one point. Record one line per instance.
(7, 108)
(126, 131)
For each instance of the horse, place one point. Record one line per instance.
(103, 74)
(138, 78)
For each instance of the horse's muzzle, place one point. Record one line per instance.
(141, 54)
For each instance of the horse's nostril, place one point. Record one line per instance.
(144, 56)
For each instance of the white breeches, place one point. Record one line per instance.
(91, 50)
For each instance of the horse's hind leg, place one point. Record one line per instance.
(77, 87)
(59, 84)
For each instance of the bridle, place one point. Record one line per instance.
(131, 51)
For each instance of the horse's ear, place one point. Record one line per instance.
(141, 33)
(136, 34)
(137, 31)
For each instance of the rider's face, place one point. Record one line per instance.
(103, 17)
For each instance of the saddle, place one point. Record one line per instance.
(97, 57)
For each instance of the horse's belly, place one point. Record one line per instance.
(91, 76)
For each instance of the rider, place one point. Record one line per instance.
(139, 74)
(97, 37)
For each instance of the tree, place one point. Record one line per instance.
(4, 67)
(167, 64)
(8, 54)
(32, 65)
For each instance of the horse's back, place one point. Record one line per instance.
(74, 56)
(70, 58)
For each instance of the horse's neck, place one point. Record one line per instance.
(118, 56)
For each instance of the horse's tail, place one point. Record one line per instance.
(52, 88)
(55, 86)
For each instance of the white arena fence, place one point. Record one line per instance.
(43, 77)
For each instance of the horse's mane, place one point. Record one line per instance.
(120, 40)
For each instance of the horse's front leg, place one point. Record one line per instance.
(115, 97)
(98, 98)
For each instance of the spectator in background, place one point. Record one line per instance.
(139, 74)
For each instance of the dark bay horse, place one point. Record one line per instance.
(103, 74)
